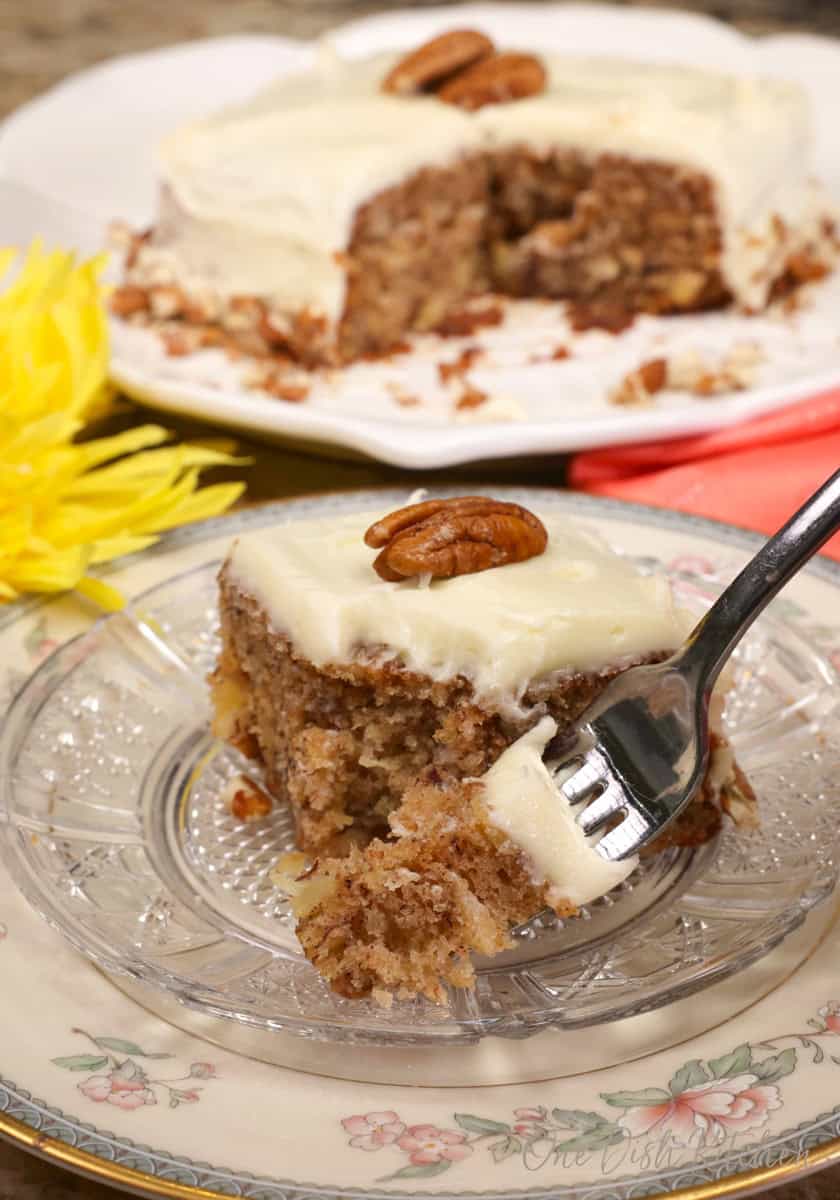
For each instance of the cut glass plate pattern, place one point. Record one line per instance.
(117, 828)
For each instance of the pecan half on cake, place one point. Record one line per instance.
(398, 678)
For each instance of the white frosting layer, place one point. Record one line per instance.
(261, 198)
(578, 606)
(527, 804)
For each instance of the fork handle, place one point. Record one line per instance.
(715, 637)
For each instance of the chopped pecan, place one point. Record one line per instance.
(653, 374)
(128, 300)
(195, 312)
(805, 267)
(495, 81)
(637, 387)
(245, 742)
(272, 333)
(461, 536)
(244, 312)
(436, 60)
(135, 245)
(471, 397)
(210, 336)
(250, 802)
(460, 365)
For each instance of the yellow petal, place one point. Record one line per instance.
(101, 593)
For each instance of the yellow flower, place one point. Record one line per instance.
(66, 505)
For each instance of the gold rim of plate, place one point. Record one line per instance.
(56, 1151)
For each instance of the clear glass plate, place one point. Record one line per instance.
(116, 828)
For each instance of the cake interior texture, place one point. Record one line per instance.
(622, 188)
(613, 235)
(402, 873)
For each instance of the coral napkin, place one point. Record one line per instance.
(755, 474)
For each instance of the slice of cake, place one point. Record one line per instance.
(399, 680)
(356, 201)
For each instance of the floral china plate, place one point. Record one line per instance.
(547, 388)
(175, 1107)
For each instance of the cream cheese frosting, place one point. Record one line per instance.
(524, 801)
(260, 198)
(577, 606)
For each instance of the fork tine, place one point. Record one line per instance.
(603, 807)
(586, 780)
(626, 838)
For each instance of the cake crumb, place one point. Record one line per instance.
(277, 382)
(402, 397)
(177, 343)
(464, 322)
(165, 301)
(558, 354)
(734, 371)
(401, 347)
(608, 316)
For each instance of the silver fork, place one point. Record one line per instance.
(644, 743)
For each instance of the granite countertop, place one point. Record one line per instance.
(43, 40)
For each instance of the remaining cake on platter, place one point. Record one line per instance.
(359, 200)
(401, 704)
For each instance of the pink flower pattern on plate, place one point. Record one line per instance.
(124, 1093)
(428, 1144)
(373, 1130)
(830, 1014)
(715, 1108)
